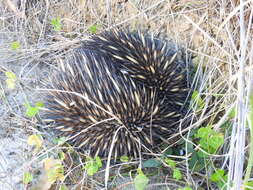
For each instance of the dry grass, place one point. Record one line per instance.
(218, 33)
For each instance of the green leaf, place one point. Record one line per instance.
(232, 113)
(11, 80)
(35, 140)
(151, 163)
(217, 176)
(91, 169)
(171, 163)
(216, 141)
(190, 147)
(168, 151)
(56, 23)
(61, 155)
(177, 174)
(92, 165)
(196, 162)
(98, 161)
(60, 140)
(63, 187)
(124, 159)
(27, 177)
(204, 132)
(10, 83)
(15, 45)
(31, 111)
(140, 181)
(202, 154)
(39, 104)
(185, 188)
(249, 185)
(196, 97)
(54, 169)
(93, 29)
(209, 140)
(10, 75)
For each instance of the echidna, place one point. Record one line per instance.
(120, 92)
(151, 61)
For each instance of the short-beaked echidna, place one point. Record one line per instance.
(151, 61)
(120, 92)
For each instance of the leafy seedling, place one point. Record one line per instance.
(32, 111)
(54, 169)
(199, 101)
(27, 178)
(35, 140)
(209, 140)
(56, 23)
(248, 185)
(11, 79)
(219, 178)
(59, 140)
(92, 165)
(176, 172)
(185, 188)
(93, 29)
(141, 180)
(151, 163)
(124, 159)
(15, 45)
(63, 187)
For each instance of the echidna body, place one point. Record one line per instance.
(128, 102)
(151, 61)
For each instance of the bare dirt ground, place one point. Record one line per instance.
(207, 29)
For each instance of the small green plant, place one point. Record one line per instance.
(220, 178)
(141, 180)
(63, 187)
(152, 163)
(59, 140)
(92, 165)
(56, 23)
(248, 185)
(185, 188)
(11, 79)
(54, 170)
(93, 29)
(250, 124)
(61, 155)
(15, 45)
(199, 101)
(209, 140)
(35, 140)
(124, 158)
(32, 111)
(27, 178)
(176, 172)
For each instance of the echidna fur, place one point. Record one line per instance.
(151, 61)
(119, 90)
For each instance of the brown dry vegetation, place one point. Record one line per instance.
(210, 30)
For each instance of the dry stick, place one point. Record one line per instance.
(107, 169)
(109, 12)
(250, 119)
(237, 159)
